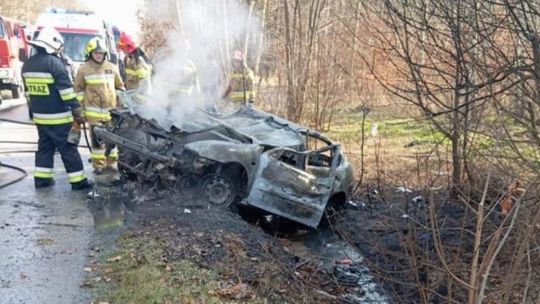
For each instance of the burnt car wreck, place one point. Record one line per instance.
(249, 158)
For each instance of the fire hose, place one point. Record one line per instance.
(20, 122)
(25, 174)
(19, 169)
(20, 178)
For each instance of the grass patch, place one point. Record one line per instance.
(348, 130)
(138, 274)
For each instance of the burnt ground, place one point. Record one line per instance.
(172, 249)
(228, 259)
(397, 231)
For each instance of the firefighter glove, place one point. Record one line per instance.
(78, 115)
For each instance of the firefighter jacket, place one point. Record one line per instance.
(188, 81)
(49, 90)
(95, 85)
(241, 84)
(137, 72)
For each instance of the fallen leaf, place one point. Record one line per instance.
(86, 284)
(45, 241)
(507, 201)
(238, 291)
(168, 268)
(88, 269)
(115, 259)
(344, 261)
(514, 186)
(506, 205)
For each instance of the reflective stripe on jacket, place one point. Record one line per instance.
(137, 71)
(241, 82)
(189, 80)
(96, 86)
(97, 113)
(49, 90)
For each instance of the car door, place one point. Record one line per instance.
(295, 185)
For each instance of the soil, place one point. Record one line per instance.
(251, 264)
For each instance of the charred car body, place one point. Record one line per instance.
(248, 158)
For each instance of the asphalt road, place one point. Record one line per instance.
(44, 234)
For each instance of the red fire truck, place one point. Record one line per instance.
(77, 28)
(13, 50)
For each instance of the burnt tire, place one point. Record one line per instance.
(333, 210)
(219, 189)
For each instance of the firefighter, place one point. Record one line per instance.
(95, 84)
(53, 107)
(137, 67)
(188, 84)
(240, 88)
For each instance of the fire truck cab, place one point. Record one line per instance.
(78, 27)
(13, 49)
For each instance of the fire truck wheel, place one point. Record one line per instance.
(15, 93)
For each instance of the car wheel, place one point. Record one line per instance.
(333, 207)
(15, 93)
(218, 189)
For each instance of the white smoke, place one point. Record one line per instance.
(127, 20)
(213, 29)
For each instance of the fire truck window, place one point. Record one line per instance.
(2, 29)
(9, 30)
(75, 45)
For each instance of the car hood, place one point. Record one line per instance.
(263, 128)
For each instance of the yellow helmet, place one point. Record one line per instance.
(95, 44)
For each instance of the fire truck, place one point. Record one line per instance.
(77, 27)
(13, 50)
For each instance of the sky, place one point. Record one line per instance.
(122, 13)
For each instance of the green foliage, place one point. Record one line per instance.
(348, 130)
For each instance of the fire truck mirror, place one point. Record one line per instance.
(22, 55)
(113, 58)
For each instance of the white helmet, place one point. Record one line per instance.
(49, 39)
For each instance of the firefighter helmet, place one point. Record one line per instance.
(126, 43)
(238, 55)
(49, 39)
(95, 44)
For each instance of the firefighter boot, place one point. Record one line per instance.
(43, 183)
(84, 184)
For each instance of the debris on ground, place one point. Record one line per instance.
(210, 255)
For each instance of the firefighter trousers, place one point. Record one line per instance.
(104, 155)
(54, 138)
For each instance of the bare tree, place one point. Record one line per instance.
(436, 50)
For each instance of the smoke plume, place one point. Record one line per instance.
(206, 34)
